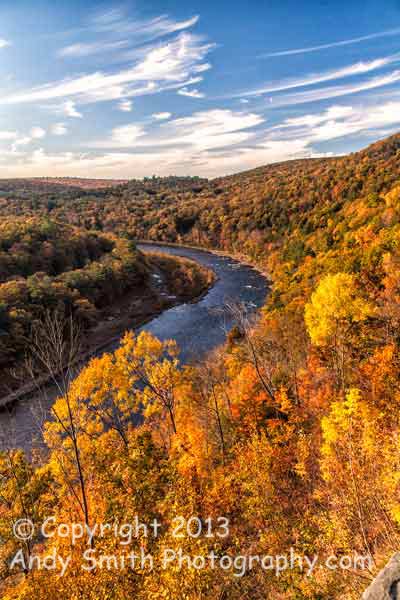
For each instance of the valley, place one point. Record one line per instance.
(274, 404)
(199, 324)
(104, 283)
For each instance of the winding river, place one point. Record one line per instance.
(197, 328)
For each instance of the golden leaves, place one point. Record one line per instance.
(336, 303)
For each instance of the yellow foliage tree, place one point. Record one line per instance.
(355, 462)
(334, 306)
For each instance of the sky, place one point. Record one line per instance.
(141, 88)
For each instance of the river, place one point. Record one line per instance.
(197, 327)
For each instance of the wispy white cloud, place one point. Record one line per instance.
(360, 68)
(191, 93)
(201, 131)
(4, 43)
(114, 30)
(117, 22)
(86, 49)
(161, 116)
(109, 16)
(59, 129)
(212, 128)
(125, 136)
(125, 105)
(37, 133)
(70, 110)
(356, 40)
(310, 120)
(336, 91)
(122, 37)
(205, 130)
(163, 67)
(340, 121)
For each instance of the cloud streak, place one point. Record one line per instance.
(115, 22)
(335, 91)
(356, 40)
(340, 121)
(204, 130)
(161, 116)
(87, 49)
(193, 93)
(163, 67)
(59, 129)
(125, 105)
(70, 110)
(360, 68)
(37, 133)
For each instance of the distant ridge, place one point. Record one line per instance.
(73, 182)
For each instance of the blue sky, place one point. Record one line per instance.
(139, 88)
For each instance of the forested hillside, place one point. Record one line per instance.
(47, 266)
(290, 433)
(30, 245)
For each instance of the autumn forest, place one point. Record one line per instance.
(285, 439)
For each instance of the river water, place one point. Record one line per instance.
(197, 328)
